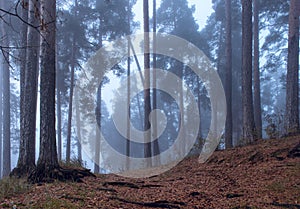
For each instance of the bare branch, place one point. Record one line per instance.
(17, 16)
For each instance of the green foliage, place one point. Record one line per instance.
(55, 203)
(12, 186)
(74, 163)
(275, 124)
(274, 19)
(182, 24)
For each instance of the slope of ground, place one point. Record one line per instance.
(256, 176)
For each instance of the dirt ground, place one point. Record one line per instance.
(255, 176)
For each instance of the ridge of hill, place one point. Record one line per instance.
(265, 175)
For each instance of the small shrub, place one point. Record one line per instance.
(50, 203)
(12, 186)
(275, 124)
(74, 163)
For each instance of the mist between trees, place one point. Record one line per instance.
(253, 45)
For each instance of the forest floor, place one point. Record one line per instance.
(255, 176)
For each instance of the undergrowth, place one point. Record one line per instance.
(12, 186)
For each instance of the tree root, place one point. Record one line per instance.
(155, 204)
(22, 171)
(130, 185)
(295, 152)
(47, 174)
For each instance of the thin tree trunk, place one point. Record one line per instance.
(199, 108)
(228, 83)
(1, 116)
(78, 127)
(97, 150)
(181, 107)
(68, 147)
(147, 102)
(141, 76)
(68, 150)
(6, 113)
(248, 115)
(292, 80)
(58, 109)
(23, 51)
(6, 100)
(256, 74)
(128, 93)
(156, 151)
(129, 111)
(99, 113)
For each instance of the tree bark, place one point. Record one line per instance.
(26, 161)
(98, 110)
(128, 109)
(78, 127)
(48, 155)
(249, 133)
(128, 92)
(97, 151)
(199, 108)
(68, 146)
(58, 109)
(256, 73)
(156, 151)
(23, 51)
(228, 83)
(47, 165)
(147, 102)
(292, 80)
(1, 116)
(6, 100)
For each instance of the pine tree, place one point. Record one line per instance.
(292, 80)
(228, 84)
(249, 134)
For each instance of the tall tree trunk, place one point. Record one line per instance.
(68, 147)
(78, 127)
(98, 129)
(68, 150)
(256, 74)
(23, 51)
(6, 99)
(58, 109)
(228, 77)
(97, 151)
(26, 161)
(98, 110)
(47, 161)
(248, 115)
(292, 80)
(128, 109)
(147, 102)
(128, 92)
(1, 116)
(198, 91)
(6, 112)
(156, 151)
(141, 77)
(47, 165)
(181, 109)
